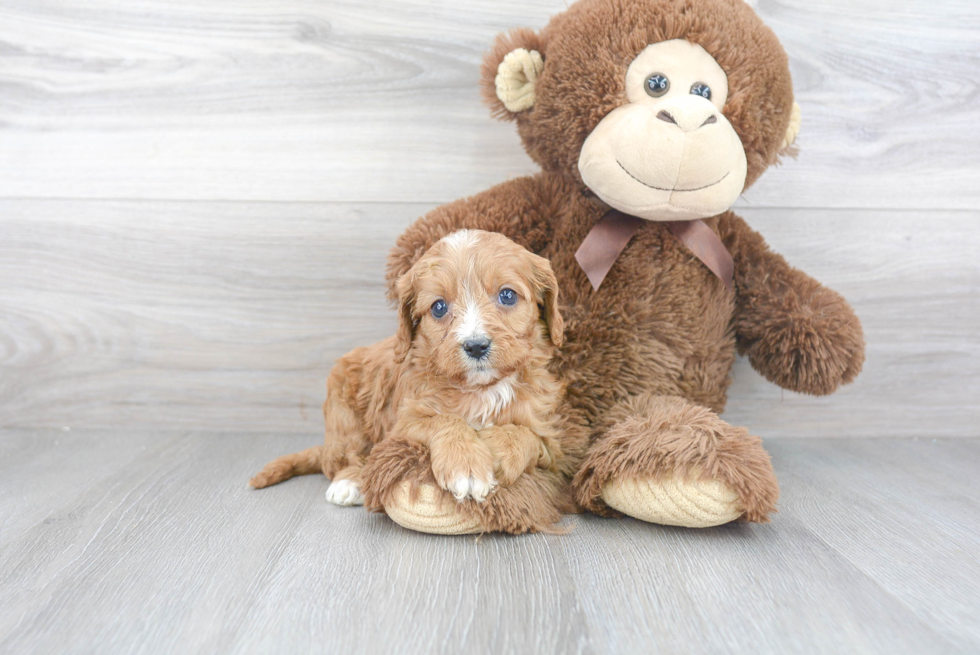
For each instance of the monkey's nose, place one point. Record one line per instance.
(688, 119)
(476, 348)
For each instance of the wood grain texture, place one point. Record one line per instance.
(228, 316)
(168, 551)
(352, 101)
(185, 314)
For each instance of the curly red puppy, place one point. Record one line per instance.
(466, 375)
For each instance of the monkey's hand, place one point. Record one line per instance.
(796, 332)
(799, 334)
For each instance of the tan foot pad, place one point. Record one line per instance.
(692, 504)
(431, 512)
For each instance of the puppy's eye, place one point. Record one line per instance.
(701, 89)
(439, 308)
(507, 297)
(657, 85)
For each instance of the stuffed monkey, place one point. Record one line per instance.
(648, 119)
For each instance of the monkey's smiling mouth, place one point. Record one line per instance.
(658, 188)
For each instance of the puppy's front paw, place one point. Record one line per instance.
(464, 468)
(344, 492)
(515, 451)
(472, 487)
(509, 463)
(549, 452)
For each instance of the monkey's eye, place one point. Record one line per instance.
(657, 85)
(439, 308)
(701, 89)
(507, 297)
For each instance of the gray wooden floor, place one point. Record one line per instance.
(149, 542)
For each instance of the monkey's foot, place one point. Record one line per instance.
(673, 501)
(665, 460)
(432, 511)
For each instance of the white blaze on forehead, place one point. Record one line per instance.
(470, 320)
(460, 239)
(470, 317)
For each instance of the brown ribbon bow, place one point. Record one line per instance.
(608, 238)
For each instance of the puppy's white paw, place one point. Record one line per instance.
(470, 487)
(344, 492)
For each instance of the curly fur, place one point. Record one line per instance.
(415, 405)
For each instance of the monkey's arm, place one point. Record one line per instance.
(518, 209)
(796, 332)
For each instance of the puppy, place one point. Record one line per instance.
(466, 375)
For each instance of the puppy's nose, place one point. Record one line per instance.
(476, 348)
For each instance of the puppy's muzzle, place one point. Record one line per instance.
(476, 348)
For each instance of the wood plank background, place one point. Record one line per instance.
(196, 198)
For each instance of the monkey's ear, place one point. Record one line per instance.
(547, 283)
(795, 115)
(793, 129)
(510, 72)
(406, 321)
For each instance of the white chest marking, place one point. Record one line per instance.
(490, 402)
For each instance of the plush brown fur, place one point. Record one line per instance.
(417, 403)
(588, 48)
(648, 356)
(673, 437)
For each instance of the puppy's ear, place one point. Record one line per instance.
(547, 284)
(406, 321)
